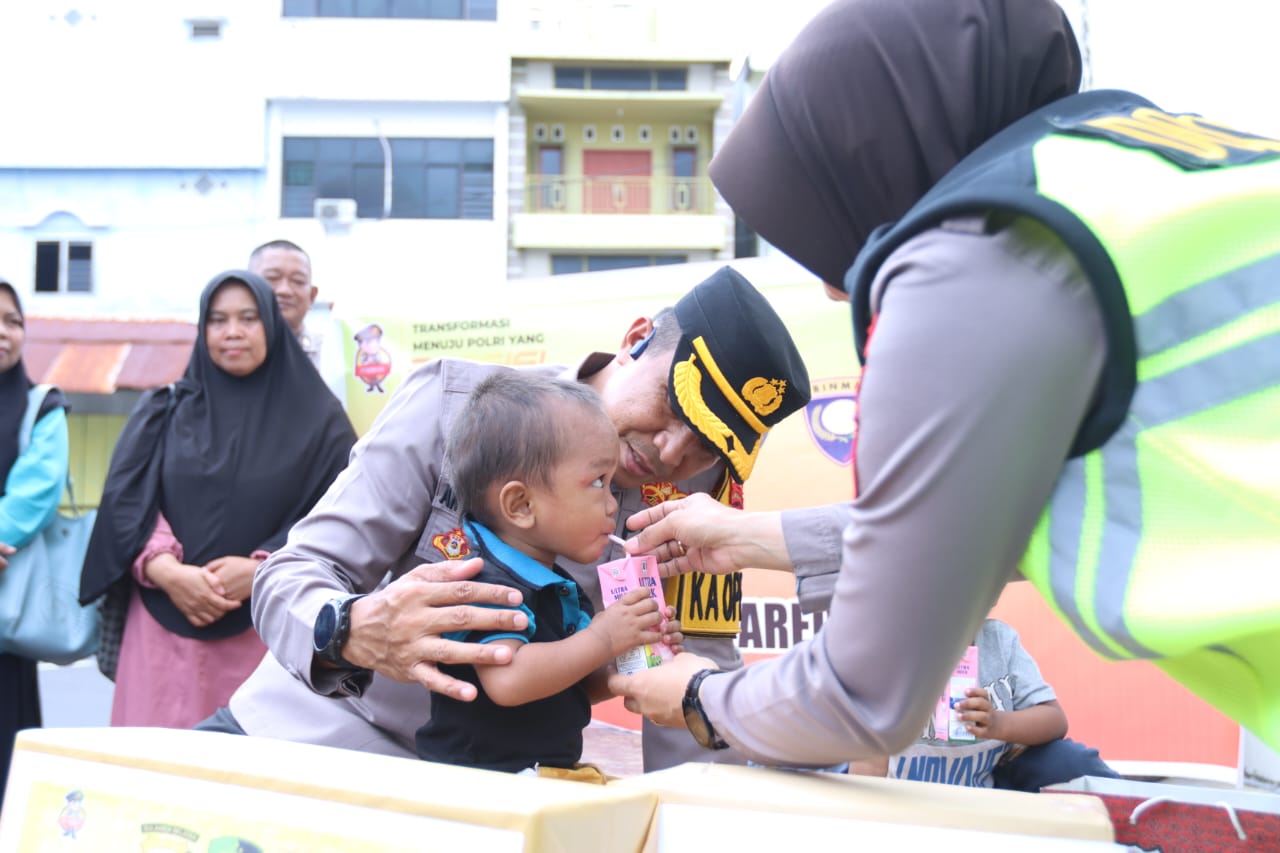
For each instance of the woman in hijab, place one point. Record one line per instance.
(205, 481)
(30, 487)
(1001, 238)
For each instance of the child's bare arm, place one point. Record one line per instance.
(539, 670)
(869, 767)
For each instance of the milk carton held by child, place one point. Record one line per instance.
(619, 577)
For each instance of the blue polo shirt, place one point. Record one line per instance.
(547, 731)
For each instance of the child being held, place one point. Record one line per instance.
(1019, 725)
(532, 458)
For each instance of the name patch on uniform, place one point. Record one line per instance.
(707, 605)
(1188, 140)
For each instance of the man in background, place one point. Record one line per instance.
(287, 268)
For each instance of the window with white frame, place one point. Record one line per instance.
(64, 266)
(427, 178)
(474, 10)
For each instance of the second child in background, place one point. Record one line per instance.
(1020, 729)
(532, 458)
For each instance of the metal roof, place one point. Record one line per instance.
(83, 356)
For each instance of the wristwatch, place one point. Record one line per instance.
(695, 718)
(333, 624)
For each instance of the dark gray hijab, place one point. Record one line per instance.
(873, 103)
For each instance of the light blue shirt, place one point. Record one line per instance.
(35, 482)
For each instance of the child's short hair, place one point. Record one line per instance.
(509, 429)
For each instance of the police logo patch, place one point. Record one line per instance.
(656, 493)
(453, 544)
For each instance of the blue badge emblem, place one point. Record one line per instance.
(832, 417)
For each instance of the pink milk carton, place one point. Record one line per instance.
(964, 677)
(616, 580)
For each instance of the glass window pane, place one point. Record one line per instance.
(338, 150)
(370, 8)
(367, 151)
(570, 78)
(482, 10)
(47, 267)
(297, 201)
(566, 264)
(444, 151)
(477, 152)
(335, 8)
(477, 194)
(442, 192)
(410, 8)
(408, 151)
(299, 8)
(333, 180)
(80, 268)
(632, 79)
(299, 148)
(598, 263)
(450, 9)
(673, 78)
(409, 192)
(367, 184)
(299, 174)
(746, 244)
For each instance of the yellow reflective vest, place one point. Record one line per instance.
(1162, 538)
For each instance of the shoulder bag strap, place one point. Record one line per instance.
(35, 400)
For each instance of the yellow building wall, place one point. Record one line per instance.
(92, 439)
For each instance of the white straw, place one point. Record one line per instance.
(619, 540)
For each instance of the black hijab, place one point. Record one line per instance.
(14, 385)
(873, 103)
(232, 462)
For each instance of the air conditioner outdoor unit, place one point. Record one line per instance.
(335, 212)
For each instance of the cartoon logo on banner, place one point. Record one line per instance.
(373, 362)
(832, 417)
(71, 818)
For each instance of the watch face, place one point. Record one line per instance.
(697, 727)
(326, 624)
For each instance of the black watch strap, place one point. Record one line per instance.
(333, 627)
(695, 716)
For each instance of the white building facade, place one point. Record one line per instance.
(153, 144)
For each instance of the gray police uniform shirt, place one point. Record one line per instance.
(1012, 681)
(370, 523)
(986, 355)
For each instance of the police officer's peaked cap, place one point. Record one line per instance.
(736, 371)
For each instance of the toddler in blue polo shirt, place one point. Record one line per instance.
(531, 459)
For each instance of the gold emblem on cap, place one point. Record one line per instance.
(687, 386)
(764, 395)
